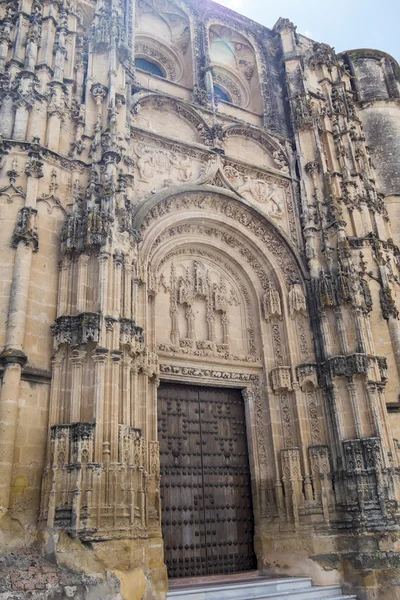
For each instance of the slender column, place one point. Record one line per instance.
(99, 358)
(55, 394)
(225, 328)
(37, 121)
(394, 330)
(114, 408)
(134, 394)
(126, 390)
(351, 386)
(53, 130)
(104, 260)
(13, 363)
(83, 262)
(77, 360)
(127, 299)
(337, 414)
(341, 330)
(118, 262)
(360, 330)
(63, 287)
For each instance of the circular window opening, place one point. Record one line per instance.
(221, 94)
(149, 66)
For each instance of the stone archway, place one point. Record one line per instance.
(210, 258)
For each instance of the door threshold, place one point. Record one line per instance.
(210, 580)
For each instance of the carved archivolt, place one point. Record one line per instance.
(236, 214)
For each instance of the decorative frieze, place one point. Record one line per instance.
(346, 365)
(198, 372)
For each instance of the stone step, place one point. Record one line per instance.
(292, 588)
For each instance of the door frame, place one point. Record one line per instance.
(249, 382)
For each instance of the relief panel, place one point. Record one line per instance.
(201, 311)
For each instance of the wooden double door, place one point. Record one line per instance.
(207, 516)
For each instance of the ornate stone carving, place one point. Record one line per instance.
(197, 283)
(388, 305)
(281, 379)
(321, 476)
(198, 372)
(302, 111)
(292, 482)
(218, 297)
(231, 210)
(263, 193)
(76, 330)
(307, 376)
(152, 160)
(297, 300)
(253, 394)
(272, 304)
(87, 230)
(26, 229)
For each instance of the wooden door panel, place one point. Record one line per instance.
(181, 478)
(207, 517)
(228, 506)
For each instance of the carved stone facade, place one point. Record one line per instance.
(173, 209)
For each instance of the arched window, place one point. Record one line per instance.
(221, 94)
(148, 66)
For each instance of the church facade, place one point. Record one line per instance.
(200, 297)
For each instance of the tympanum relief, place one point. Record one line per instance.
(201, 311)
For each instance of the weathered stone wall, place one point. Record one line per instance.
(216, 218)
(376, 82)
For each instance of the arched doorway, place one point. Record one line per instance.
(218, 279)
